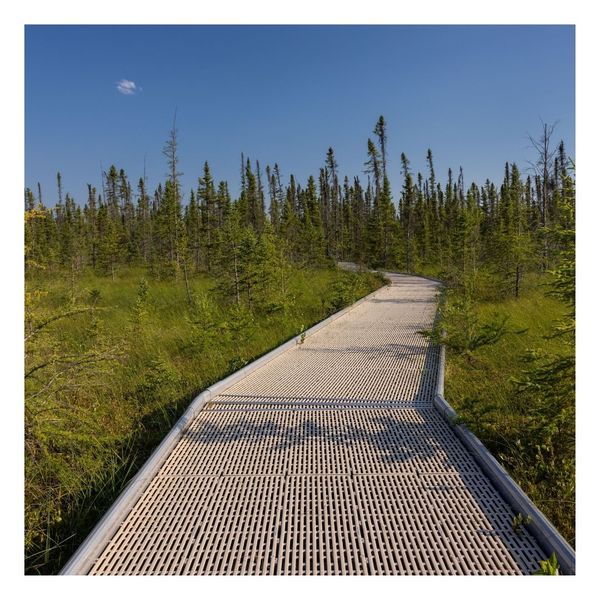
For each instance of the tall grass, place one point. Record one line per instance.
(482, 387)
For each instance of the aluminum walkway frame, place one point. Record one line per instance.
(329, 459)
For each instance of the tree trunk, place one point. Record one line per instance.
(187, 285)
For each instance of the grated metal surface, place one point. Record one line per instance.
(328, 460)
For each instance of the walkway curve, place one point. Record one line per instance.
(330, 459)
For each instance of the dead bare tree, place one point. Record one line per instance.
(542, 168)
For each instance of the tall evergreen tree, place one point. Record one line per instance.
(379, 131)
(144, 224)
(209, 212)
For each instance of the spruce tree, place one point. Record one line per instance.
(209, 215)
(407, 217)
(379, 131)
(144, 224)
(193, 224)
(91, 221)
(108, 242)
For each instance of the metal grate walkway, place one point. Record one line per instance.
(328, 460)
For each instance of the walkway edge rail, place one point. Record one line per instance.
(543, 531)
(91, 548)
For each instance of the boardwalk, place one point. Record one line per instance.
(329, 460)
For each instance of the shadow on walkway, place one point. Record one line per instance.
(412, 439)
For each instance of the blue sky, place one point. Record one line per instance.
(285, 94)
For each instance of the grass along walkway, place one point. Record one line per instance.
(482, 387)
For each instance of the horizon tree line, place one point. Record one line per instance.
(441, 227)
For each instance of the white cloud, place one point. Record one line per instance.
(128, 87)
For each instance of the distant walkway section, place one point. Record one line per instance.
(329, 460)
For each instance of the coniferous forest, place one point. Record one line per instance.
(137, 299)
